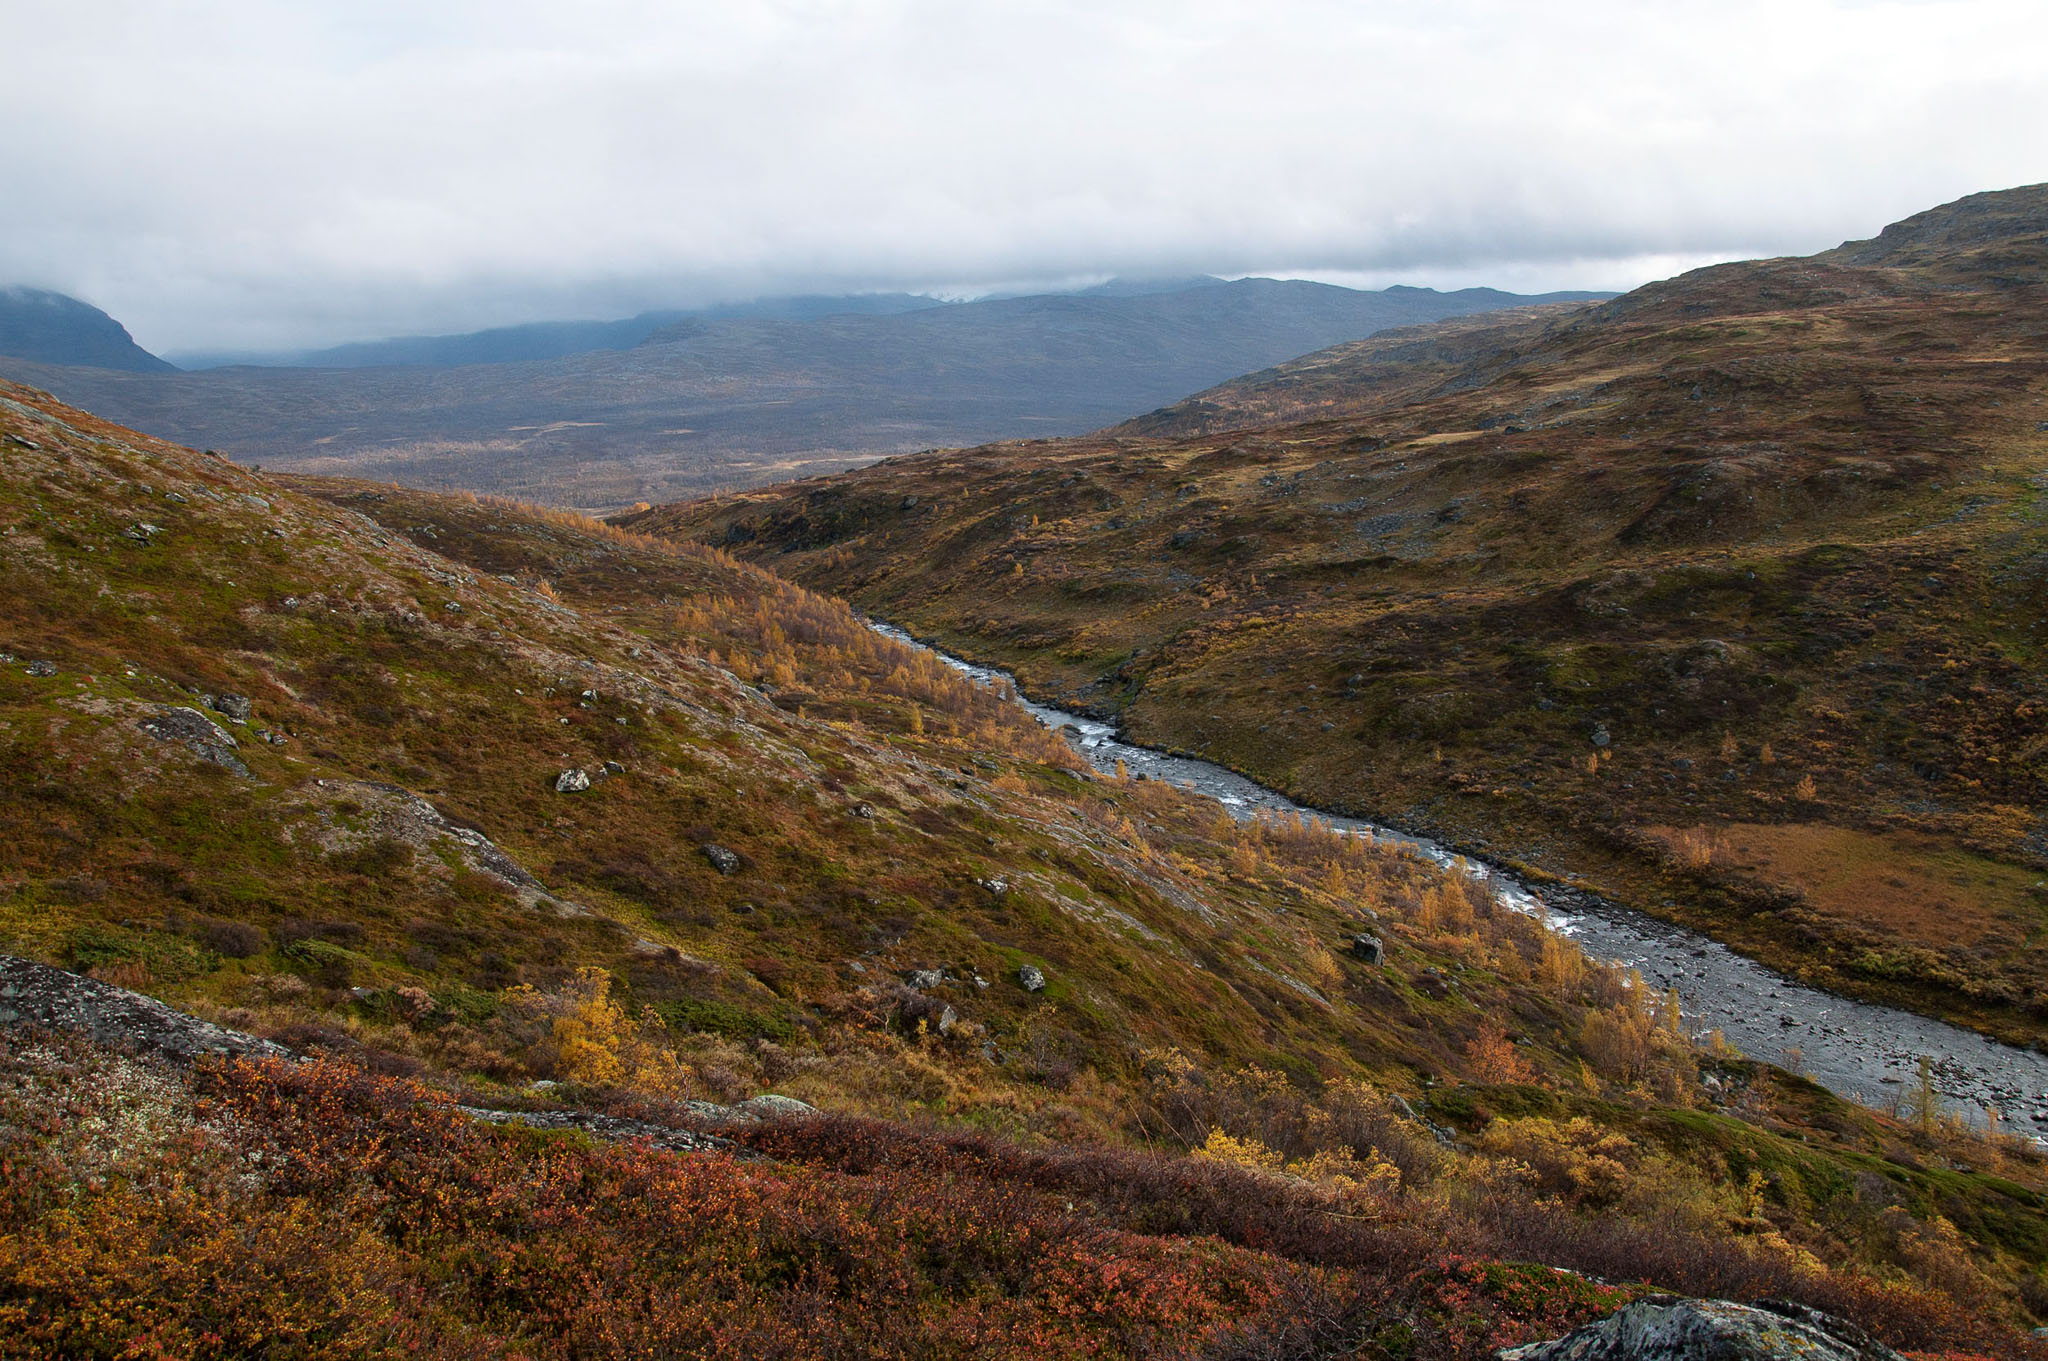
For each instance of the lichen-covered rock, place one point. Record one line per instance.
(1666, 1328)
(38, 995)
(770, 1106)
(572, 781)
(1032, 978)
(723, 860)
(236, 707)
(1368, 948)
(605, 1127)
(198, 734)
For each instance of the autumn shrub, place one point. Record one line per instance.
(1578, 1162)
(317, 1210)
(235, 940)
(1495, 1060)
(580, 1033)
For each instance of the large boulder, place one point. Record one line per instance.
(1666, 1328)
(38, 996)
(197, 733)
(774, 1106)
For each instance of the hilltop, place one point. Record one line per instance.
(504, 809)
(607, 414)
(1725, 597)
(41, 327)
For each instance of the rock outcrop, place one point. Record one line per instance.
(1667, 1328)
(196, 733)
(38, 995)
(42, 997)
(610, 1127)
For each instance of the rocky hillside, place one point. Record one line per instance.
(1726, 596)
(503, 810)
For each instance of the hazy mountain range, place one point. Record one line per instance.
(54, 329)
(606, 413)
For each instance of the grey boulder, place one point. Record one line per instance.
(197, 733)
(36, 995)
(572, 781)
(1032, 978)
(722, 860)
(769, 1106)
(1666, 1328)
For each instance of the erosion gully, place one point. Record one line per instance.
(1857, 1050)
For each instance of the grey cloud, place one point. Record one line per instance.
(236, 172)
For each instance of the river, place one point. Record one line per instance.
(1857, 1050)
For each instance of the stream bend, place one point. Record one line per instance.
(1859, 1050)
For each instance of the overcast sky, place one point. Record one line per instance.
(222, 173)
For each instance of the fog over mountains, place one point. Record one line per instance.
(601, 414)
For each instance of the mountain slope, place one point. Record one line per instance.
(543, 814)
(708, 402)
(1726, 596)
(49, 328)
(415, 674)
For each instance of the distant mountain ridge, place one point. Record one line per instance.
(555, 339)
(703, 402)
(52, 328)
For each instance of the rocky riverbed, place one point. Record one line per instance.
(1864, 1052)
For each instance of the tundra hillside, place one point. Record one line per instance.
(1727, 598)
(503, 806)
